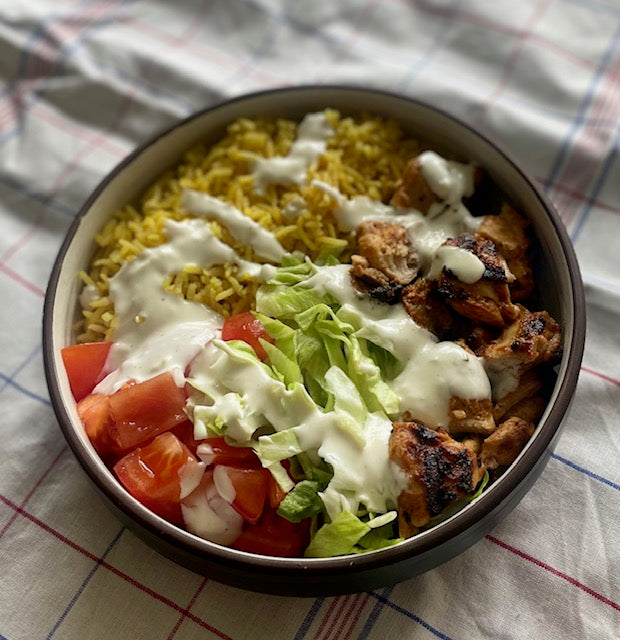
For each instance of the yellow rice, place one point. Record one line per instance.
(365, 156)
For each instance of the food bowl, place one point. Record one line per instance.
(559, 291)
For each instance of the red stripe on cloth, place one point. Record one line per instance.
(352, 614)
(221, 58)
(521, 36)
(555, 572)
(187, 609)
(485, 22)
(26, 284)
(592, 145)
(334, 618)
(359, 28)
(603, 376)
(14, 103)
(32, 491)
(580, 196)
(117, 572)
(63, 123)
(332, 605)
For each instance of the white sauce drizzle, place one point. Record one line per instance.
(158, 331)
(466, 266)
(311, 142)
(433, 371)
(241, 227)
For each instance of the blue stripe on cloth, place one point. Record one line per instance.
(586, 472)
(27, 360)
(84, 584)
(23, 390)
(438, 42)
(309, 619)
(598, 187)
(374, 614)
(64, 54)
(580, 119)
(409, 614)
(46, 200)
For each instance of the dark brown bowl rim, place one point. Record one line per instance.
(489, 501)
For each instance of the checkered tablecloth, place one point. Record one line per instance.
(82, 82)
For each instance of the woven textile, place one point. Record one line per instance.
(82, 82)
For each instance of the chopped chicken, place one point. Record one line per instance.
(439, 470)
(528, 409)
(508, 231)
(412, 190)
(426, 308)
(527, 386)
(387, 260)
(533, 338)
(487, 300)
(503, 446)
(468, 415)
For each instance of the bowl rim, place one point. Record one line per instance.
(443, 532)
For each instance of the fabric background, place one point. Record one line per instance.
(82, 82)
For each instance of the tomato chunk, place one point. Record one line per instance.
(244, 326)
(96, 416)
(84, 365)
(218, 451)
(151, 474)
(275, 493)
(250, 489)
(142, 411)
(275, 536)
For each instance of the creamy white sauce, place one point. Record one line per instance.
(89, 294)
(310, 143)
(450, 181)
(158, 331)
(426, 232)
(463, 264)
(433, 371)
(241, 227)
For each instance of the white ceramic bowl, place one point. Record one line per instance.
(559, 287)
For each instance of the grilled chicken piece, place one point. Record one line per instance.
(508, 231)
(532, 339)
(469, 415)
(439, 468)
(503, 446)
(412, 190)
(386, 262)
(527, 386)
(528, 409)
(487, 300)
(426, 308)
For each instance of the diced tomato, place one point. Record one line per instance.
(250, 486)
(143, 410)
(275, 536)
(185, 433)
(84, 366)
(246, 327)
(151, 475)
(275, 493)
(96, 415)
(218, 451)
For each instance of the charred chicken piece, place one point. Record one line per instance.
(508, 231)
(488, 300)
(412, 190)
(533, 338)
(386, 262)
(427, 309)
(439, 469)
(505, 444)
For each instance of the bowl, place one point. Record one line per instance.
(559, 286)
